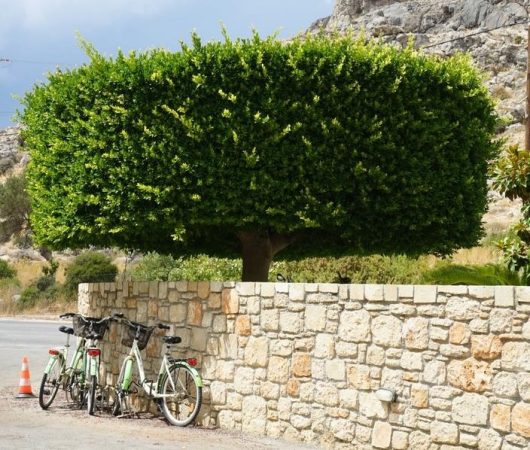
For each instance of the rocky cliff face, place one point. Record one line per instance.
(447, 27)
(12, 156)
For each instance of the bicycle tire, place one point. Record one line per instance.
(91, 395)
(181, 405)
(75, 390)
(50, 384)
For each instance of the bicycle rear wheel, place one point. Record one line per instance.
(91, 395)
(50, 384)
(182, 396)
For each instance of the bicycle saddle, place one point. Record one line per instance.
(66, 330)
(172, 339)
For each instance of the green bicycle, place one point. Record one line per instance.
(178, 389)
(58, 374)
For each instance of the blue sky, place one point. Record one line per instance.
(36, 36)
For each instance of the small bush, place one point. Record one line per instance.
(29, 297)
(203, 267)
(154, 267)
(6, 270)
(90, 267)
(487, 275)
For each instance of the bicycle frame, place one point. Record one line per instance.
(62, 355)
(150, 387)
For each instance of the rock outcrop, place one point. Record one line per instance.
(484, 28)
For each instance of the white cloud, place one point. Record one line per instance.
(50, 15)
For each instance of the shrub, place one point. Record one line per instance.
(203, 267)
(487, 275)
(154, 267)
(29, 297)
(15, 207)
(6, 270)
(90, 267)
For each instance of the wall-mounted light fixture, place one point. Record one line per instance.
(386, 395)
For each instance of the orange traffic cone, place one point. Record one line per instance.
(24, 387)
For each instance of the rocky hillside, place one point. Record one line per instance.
(447, 27)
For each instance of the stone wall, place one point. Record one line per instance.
(303, 361)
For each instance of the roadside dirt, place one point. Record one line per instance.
(23, 425)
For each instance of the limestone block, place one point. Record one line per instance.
(371, 407)
(459, 333)
(242, 326)
(470, 375)
(194, 313)
(228, 346)
(315, 317)
(292, 388)
(301, 365)
(348, 398)
(411, 361)
(400, 309)
(296, 291)
(444, 433)
(505, 384)
(521, 419)
(289, 322)
(281, 347)
(386, 331)
(522, 294)
(400, 440)
(419, 396)
(523, 380)
(419, 440)
(342, 429)
(462, 309)
(326, 394)
(278, 369)
(516, 356)
(489, 439)
(336, 370)
(230, 301)
(486, 347)
(434, 372)
(270, 391)
(254, 415)
(501, 320)
(354, 326)
(482, 292)
(425, 294)
(214, 300)
(359, 376)
(392, 379)
(405, 291)
(245, 380)
(454, 351)
(218, 393)
(226, 420)
(199, 338)
(374, 292)
(329, 288)
(382, 435)
(346, 349)
(471, 409)
(504, 296)
(479, 326)
(178, 313)
(416, 333)
(300, 422)
(526, 330)
(357, 292)
(225, 370)
(439, 334)
(257, 351)
(375, 355)
(324, 346)
(500, 417)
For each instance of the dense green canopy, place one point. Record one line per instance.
(320, 144)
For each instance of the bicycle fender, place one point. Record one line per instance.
(194, 372)
(94, 365)
(52, 361)
(127, 375)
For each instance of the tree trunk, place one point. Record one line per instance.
(258, 250)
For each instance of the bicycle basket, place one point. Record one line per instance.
(82, 326)
(143, 338)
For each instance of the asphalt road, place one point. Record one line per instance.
(23, 425)
(31, 338)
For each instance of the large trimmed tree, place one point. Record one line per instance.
(253, 146)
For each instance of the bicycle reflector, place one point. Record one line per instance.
(192, 361)
(94, 352)
(53, 351)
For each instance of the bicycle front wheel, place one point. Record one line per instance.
(50, 384)
(181, 396)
